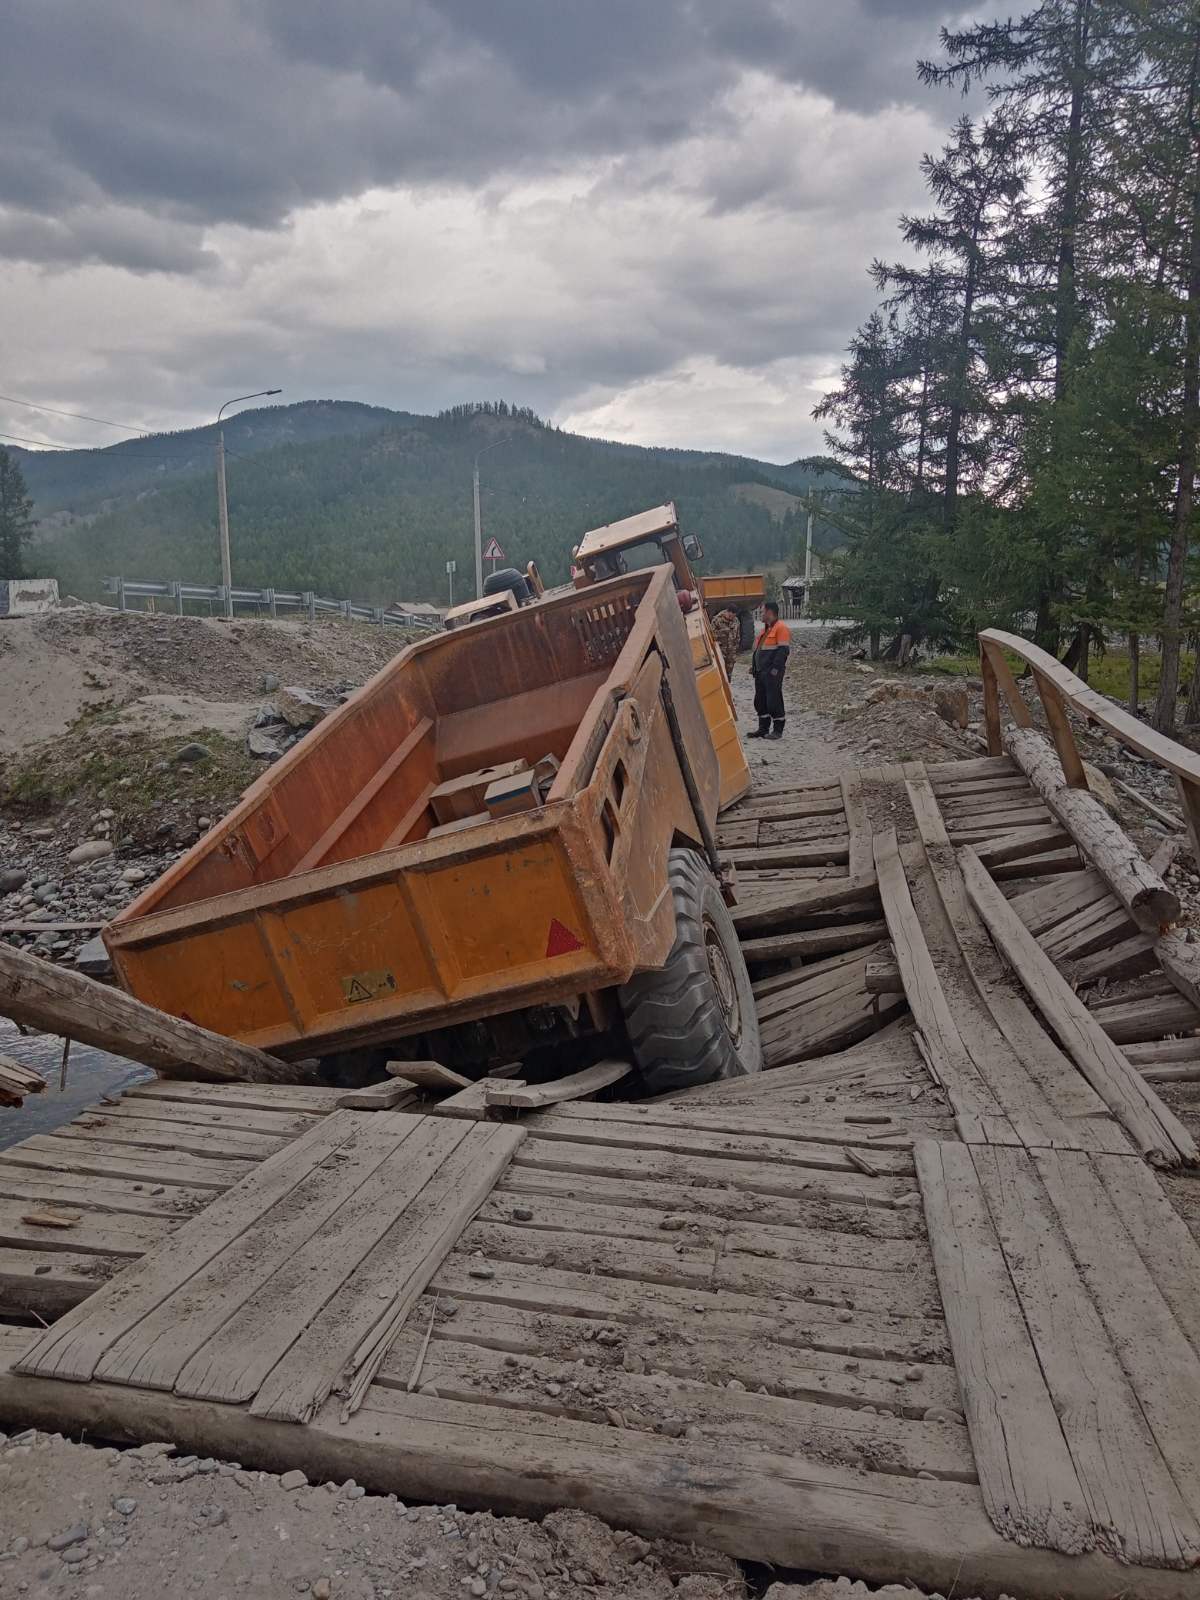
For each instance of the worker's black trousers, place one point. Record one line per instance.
(768, 696)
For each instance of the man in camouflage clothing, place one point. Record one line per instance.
(727, 631)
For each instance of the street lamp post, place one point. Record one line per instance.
(478, 523)
(222, 500)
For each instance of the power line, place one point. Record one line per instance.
(79, 416)
(43, 444)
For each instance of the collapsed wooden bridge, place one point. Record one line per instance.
(911, 1304)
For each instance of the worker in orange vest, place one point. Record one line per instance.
(771, 650)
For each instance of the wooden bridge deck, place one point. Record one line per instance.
(910, 1305)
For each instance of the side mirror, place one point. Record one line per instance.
(692, 548)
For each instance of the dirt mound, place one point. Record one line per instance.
(68, 664)
(138, 1525)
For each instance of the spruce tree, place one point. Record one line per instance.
(16, 516)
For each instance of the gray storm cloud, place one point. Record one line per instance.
(637, 186)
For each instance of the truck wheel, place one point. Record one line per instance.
(746, 630)
(693, 1021)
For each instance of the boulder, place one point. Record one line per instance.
(269, 743)
(93, 959)
(192, 752)
(301, 707)
(90, 850)
(12, 879)
(1103, 790)
(952, 706)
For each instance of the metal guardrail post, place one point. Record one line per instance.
(269, 600)
(310, 604)
(177, 596)
(121, 594)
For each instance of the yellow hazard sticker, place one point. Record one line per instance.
(362, 986)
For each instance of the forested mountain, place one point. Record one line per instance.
(352, 500)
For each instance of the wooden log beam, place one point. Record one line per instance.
(1110, 850)
(56, 1000)
(1155, 1129)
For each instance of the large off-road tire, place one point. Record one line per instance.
(693, 1021)
(746, 630)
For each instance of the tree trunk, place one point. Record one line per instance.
(1105, 843)
(1189, 439)
(1045, 628)
(1192, 715)
(958, 403)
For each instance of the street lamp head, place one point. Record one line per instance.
(258, 394)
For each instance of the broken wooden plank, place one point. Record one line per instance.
(1148, 1017)
(1050, 904)
(1125, 960)
(17, 1081)
(951, 1063)
(47, 1284)
(390, 1096)
(428, 1075)
(1155, 1129)
(471, 1103)
(791, 904)
(1180, 962)
(1023, 844)
(576, 1086)
(814, 942)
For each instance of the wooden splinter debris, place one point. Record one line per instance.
(857, 1159)
(17, 1081)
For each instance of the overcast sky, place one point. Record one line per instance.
(647, 219)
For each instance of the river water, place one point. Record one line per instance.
(90, 1074)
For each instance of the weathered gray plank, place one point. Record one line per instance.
(1026, 1474)
(73, 1347)
(349, 1337)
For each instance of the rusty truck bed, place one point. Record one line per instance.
(325, 912)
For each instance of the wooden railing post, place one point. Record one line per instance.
(991, 701)
(1060, 732)
(1189, 800)
(997, 676)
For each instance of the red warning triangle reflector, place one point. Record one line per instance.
(561, 940)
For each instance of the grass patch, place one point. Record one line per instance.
(1108, 673)
(136, 776)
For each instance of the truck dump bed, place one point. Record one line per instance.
(327, 912)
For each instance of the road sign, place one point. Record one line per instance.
(452, 566)
(493, 551)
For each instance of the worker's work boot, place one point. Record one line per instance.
(763, 731)
(777, 731)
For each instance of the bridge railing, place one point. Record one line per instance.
(272, 601)
(1060, 689)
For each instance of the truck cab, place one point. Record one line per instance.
(653, 538)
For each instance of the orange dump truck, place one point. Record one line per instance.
(740, 592)
(500, 844)
(647, 539)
